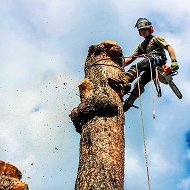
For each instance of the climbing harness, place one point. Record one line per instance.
(143, 131)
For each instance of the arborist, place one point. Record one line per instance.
(154, 47)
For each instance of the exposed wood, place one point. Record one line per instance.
(10, 177)
(99, 119)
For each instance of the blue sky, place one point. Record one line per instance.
(43, 47)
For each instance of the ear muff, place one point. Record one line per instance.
(151, 29)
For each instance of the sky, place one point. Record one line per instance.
(43, 47)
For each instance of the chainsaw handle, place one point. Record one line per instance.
(173, 73)
(169, 70)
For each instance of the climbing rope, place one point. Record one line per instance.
(157, 83)
(143, 131)
(152, 87)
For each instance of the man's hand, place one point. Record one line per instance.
(174, 65)
(166, 69)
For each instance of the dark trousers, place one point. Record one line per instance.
(144, 71)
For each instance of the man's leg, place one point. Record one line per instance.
(127, 79)
(143, 65)
(144, 79)
(133, 96)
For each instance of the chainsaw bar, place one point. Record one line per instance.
(175, 89)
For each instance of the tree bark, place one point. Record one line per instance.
(99, 119)
(10, 177)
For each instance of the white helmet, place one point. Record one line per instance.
(143, 23)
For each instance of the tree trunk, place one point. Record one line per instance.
(100, 120)
(10, 177)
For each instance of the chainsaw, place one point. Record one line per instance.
(165, 75)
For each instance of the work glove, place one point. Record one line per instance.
(174, 65)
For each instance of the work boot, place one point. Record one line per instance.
(129, 103)
(133, 96)
(127, 84)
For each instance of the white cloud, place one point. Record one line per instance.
(54, 18)
(42, 47)
(135, 169)
(160, 164)
(185, 88)
(185, 184)
(36, 130)
(133, 163)
(9, 142)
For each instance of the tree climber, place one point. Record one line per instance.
(153, 47)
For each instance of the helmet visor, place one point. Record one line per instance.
(142, 25)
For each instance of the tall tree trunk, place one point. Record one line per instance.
(10, 177)
(100, 120)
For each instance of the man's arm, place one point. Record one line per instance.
(171, 52)
(129, 60)
(174, 64)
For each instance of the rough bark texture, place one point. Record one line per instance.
(10, 177)
(100, 120)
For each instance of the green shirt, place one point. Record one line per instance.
(155, 46)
